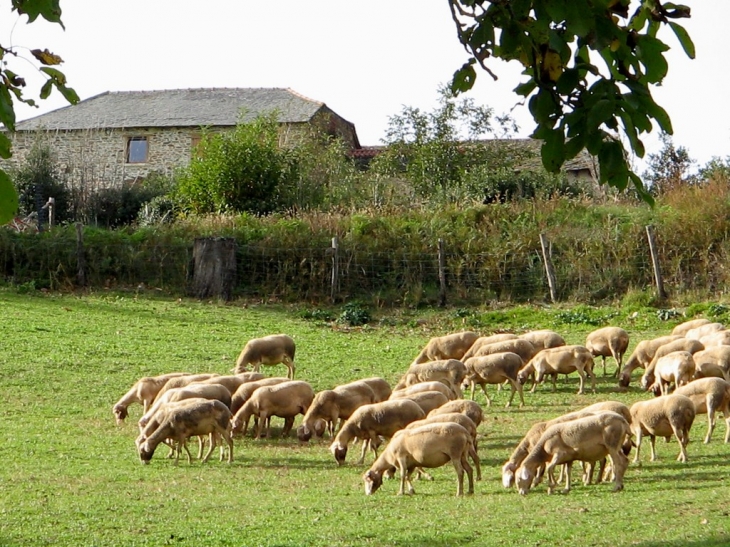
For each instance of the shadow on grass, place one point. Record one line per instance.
(719, 541)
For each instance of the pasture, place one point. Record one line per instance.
(71, 477)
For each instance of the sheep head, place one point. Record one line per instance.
(624, 380)
(524, 480)
(339, 451)
(120, 413)
(508, 474)
(145, 452)
(304, 433)
(373, 480)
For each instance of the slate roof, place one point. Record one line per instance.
(176, 108)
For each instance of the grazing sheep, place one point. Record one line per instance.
(710, 370)
(683, 328)
(521, 347)
(243, 393)
(472, 409)
(642, 355)
(203, 418)
(464, 421)
(191, 391)
(486, 340)
(716, 339)
(380, 387)
(285, 400)
(371, 421)
(428, 446)
(587, 439)
(560, 360)
(451, 346)
(527, 443)
(144, 392)
(183, 381)
(662, 417)
(331, 406)
(608, 342)
(719, 356)
(683, 344)
(234, 381)
(429, 400)
(709, 395)
(450, 371)
(677, 367)
(704, 330)
(269, 350)
(543, 339)
(494, 369)
(424, 386)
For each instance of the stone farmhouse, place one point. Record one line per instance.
(124, 136)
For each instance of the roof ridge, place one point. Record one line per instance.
(296, 93)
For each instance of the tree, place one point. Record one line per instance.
(576, 103)
(669, 168)
(12, 89)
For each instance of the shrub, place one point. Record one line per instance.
(38, 179)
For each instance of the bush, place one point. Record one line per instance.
(354, 314)
(37, 180)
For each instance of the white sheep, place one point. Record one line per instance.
(451, 346)
(543, 339)
(450, 371)
(486, 340)
(244, 392)
(285, 400)
(677, 367)
(560, 360)
(533, 435)
(424, 386)
(587, 439)
(521, 347)
(182, 381)
(719, 356)
(494, 369)
(709, 395)
(710, 370)
(716, 339)
(233, 381)
(642, 355)
(191, 391)
(662, 417)
(179, 424)
(468, 408)
(428, 400)
(608, 342)
(683, 328)
(268, 350)
(683, 344)
(704, 330)
(372, 421)
(428, 446)
(144, 392)
(380, 387)
(333, 406)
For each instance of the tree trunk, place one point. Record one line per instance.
(214, 267)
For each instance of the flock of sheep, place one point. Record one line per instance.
(425, 419)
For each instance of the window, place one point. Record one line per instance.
(136, 149)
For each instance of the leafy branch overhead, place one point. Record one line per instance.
(589, 65)
(12, 88)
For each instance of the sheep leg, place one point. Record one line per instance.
(638, 445)
(538, 379)
(261, 425)
(652, 443)
(484, 389)
(619, 464)
(365, 445)
(210, 449)
(683, 439)
(550, 472)
(475, 458)
(726, 415)
(582, 377)
(288, 424)
(472, 388)
(710, 423)
(459, 468)
(516, 386)
(405, 477)
(568, 468)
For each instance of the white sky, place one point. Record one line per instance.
(365, 60)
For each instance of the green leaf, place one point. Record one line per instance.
(684, 39)
(463, 79)
(600, 113)
(526, 88)
(542, 106)
(55, 74)
(7, 112)
(553, 150)
(612, 161)
(8, 198)
(68, 93)
(641, 189)
(46, 89)
(50, 10)
(6, 146)
(650, 52)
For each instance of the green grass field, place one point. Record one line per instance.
(71, 477)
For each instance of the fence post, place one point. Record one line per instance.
(335, 269)
(655, 262)
(549, 270)
(80, 256)
(442, 274)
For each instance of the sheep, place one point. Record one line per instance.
(451, 346)
(449, 371)
(380, 387)
(428, 446)
(494, 369)
(424, 386)
(486, 340)
(472, 409)
(332, 405)
(285, 400)
(587, 439)
(244, 392)
(683, 344)
(608, 342)
(203, 418)
(662, 417)
(521, 347)
(682, 328)
(709, 395)
(543, 339)
(677, 367)
(704, 330)
(716, 339)
(144, 392)
(269, 350)
(464, 421)
(560, 360)
(524, 447)
(642, 355)
(371, 421)
(195, 390)
(183, 381)
(719, 356)
(233, 382)
(429, 400)
(710, 370)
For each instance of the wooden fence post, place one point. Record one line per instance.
(442, 274)
(549, 270)
(655, 262)
(80, 256)
(335, 270)
(214, 267)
